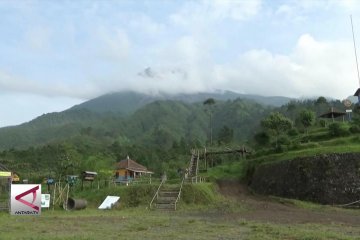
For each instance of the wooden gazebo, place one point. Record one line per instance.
(127, 170)
(333, 113)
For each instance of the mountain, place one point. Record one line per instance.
(157, 124)
(121, 102)
(128, 102)
(47, 128)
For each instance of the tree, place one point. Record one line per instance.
(225, 135)
(209, 103)
(276, 123)
(321, 100)
(262, 138)
(306, 117)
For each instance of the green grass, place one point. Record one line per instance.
(203, 214)
(238, 170)
(234, 170)
(139, 223)
(267, 231)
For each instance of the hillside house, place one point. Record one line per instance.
(128, 170)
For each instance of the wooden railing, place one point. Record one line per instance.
(178, 197)
(157, 192)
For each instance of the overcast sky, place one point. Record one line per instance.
(55, 54)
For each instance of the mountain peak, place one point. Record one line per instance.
(127, 102)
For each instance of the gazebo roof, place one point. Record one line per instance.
(333, 113)
(132, 166)
(3, 168)
(357, 93)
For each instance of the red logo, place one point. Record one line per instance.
(30, 204)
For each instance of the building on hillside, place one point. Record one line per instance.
(15, 177)
(333, 113)
(128, 170)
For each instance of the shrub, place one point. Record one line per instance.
(322, 123)
(337, 130)
(293, 132)
(284, 140)
(262, 138)
(203, 193)
(354, 129)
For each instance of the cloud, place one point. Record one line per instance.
(313, 68)
(184, 53)
(112, 43)
(15, 84)
(208, 11)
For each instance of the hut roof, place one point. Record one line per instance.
(132, 166)
(357, 93)
(3, 168)
(333, 113)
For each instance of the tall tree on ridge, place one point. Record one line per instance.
(209, 103)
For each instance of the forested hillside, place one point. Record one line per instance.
(158, 135)
(128, 102)
(158, 123)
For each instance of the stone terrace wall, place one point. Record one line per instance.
(327, 179)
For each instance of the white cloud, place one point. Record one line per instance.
(314, 68)
(146, 25)
(208, 11)
(237, 10)
(112, 43)
(15, 84)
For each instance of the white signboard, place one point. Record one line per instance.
(45, 200)
(348, 110)
(25, 199)
(109, 202)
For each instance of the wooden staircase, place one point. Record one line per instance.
(167, 197)
(193, 168)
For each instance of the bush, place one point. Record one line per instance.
(293, 132)
(354, 129)
(262, 138)
(202, 193)
(284, 140)
(322, 123)
(336, 130)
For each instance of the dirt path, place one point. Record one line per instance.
(267, 209)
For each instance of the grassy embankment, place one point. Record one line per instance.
(316, 141)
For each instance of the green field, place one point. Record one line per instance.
(139, 223)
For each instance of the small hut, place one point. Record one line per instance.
(127, 170)
(333, 113)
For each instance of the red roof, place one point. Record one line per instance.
(131, 165)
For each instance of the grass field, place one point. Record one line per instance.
(140, 223)
(203, 213)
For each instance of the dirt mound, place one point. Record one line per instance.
(269, 209)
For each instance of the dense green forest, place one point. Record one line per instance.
(158, 135)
